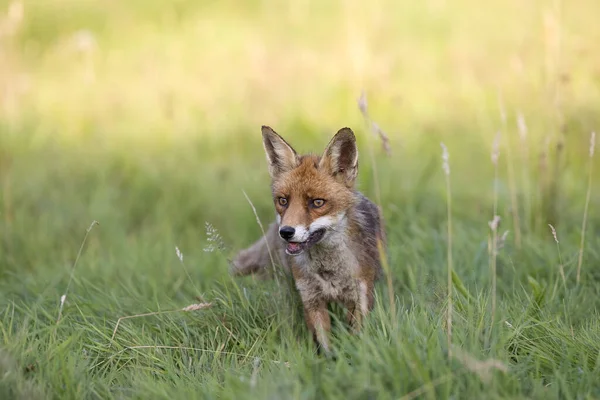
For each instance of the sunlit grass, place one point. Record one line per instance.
(145, 117)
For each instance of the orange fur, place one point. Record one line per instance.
(326, 231)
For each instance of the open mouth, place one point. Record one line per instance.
(295, 248)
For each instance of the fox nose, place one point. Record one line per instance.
(287, 232)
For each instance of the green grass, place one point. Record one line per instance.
(154, 132)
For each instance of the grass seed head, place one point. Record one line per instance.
(494, 223)
(553, 233)
(179, 253)
(385, 140)
(215, 241)
(195, 307)
(362, 103)
(501, 241)
(496, 149)
(445, 159)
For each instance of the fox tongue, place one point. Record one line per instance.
(294, 247)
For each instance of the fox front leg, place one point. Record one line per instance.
(318, 322)
(360, 306)
(354, 317)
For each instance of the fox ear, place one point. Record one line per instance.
(340, 158)
(280, 155)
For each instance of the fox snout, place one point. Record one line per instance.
(287, 232)
(299, 238)
(296, 233)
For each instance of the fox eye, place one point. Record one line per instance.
(282, 201)
(318, 203)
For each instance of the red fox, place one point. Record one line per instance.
(326, 231)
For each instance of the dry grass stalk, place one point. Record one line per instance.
(483, 369)
(544, 179)
(552, 25)
(446, 168)
(196, 307)
(388, 273)
(525, 167)
(217, 352)
(373, 126)
(511, 180)
(587, 204)
(494, 225)
(191, 307)
(180, 257)
(362, 106)
(262, 229)
(5, 181)
(501, 241)
(426, 387)
(63, 298)
(522, 127)
(560, 266)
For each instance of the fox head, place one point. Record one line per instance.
(311, 193)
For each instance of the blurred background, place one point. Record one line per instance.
(145, 116)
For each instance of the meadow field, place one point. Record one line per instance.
(132, 171)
